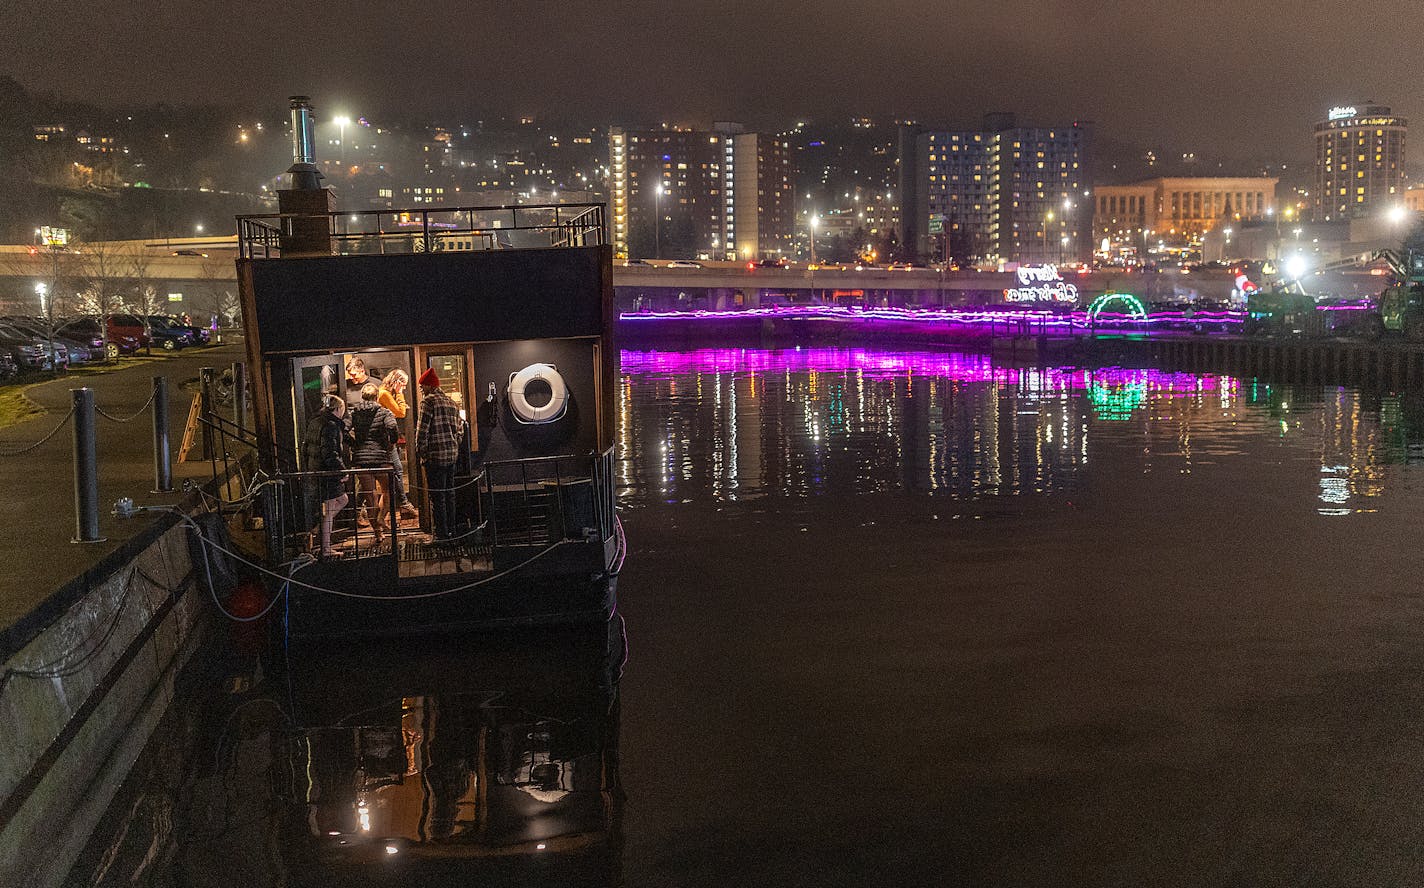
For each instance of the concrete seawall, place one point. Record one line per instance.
(86, 678)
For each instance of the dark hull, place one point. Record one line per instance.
(567, 585)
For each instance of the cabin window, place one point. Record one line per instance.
(453, 376)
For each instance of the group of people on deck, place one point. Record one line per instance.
(366, 434)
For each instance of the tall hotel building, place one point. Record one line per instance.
(724, 194)
(1003, 192)
(1359, 161)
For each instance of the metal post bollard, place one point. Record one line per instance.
(86, 469)
(207, 376)
(239, 397)
(162, 456)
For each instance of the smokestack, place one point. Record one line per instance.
(306, 230)
(305, 175)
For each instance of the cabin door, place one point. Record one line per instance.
(313, 378)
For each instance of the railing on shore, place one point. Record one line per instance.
(428, 229)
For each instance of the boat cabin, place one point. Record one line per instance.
(509, 310)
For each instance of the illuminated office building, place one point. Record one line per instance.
(1177, 209)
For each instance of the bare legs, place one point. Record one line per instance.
(373, 495)
(328, 515)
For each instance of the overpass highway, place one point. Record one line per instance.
(172, 261)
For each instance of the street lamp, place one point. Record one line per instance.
(341, 123)
(658, 222)
(42, 291)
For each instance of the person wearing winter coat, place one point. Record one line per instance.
(331, 446)
(374, 431)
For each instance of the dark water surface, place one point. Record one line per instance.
(893, 619)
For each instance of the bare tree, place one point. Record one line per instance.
(145, 293)
(102, 276)
(217, 275)
(54, 272)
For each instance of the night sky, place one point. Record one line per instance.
(1237, 77)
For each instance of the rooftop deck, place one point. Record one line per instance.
(427, 229)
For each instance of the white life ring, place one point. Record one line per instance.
(558, 394)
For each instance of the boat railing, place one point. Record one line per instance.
(508, 504)
(293, 513)
(425, 229)
(546, 499)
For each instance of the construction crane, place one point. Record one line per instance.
(1285, 305)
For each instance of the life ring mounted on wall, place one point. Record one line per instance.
(519, 403)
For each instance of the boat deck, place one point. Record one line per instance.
(418, 556)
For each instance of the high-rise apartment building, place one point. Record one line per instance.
(725, 194)
(1002, 192)
(763, 217)
(1359, 161)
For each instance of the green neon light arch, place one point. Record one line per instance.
(1132, 305)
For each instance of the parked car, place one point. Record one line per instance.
(8, 368)
(684, 263)
(201, 335)
(168, 334)
(128, 325)
(639, 262)
(23, 350)
(78, 351)
(55, 351)
(86, 330)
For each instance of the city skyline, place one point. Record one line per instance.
(1131, 69)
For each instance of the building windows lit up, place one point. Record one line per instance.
(1359, 161)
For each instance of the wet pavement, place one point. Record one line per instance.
(892, 618)
(37, 514)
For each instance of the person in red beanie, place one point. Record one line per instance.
(437, 445)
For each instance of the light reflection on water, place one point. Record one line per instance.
(733, 425)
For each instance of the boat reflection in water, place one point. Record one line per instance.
(480, 757)
(455, 760)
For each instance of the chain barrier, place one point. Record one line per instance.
(461, 486)
(130, 418)
(35, 446)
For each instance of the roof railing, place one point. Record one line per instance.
(424, 230)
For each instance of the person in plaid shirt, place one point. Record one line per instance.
(437, 444)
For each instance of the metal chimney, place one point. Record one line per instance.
(305, 175)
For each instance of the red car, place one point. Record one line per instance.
(123, 326)
(86, 330)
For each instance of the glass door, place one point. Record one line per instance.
(313, 378)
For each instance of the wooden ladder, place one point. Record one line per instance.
(190, 429)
